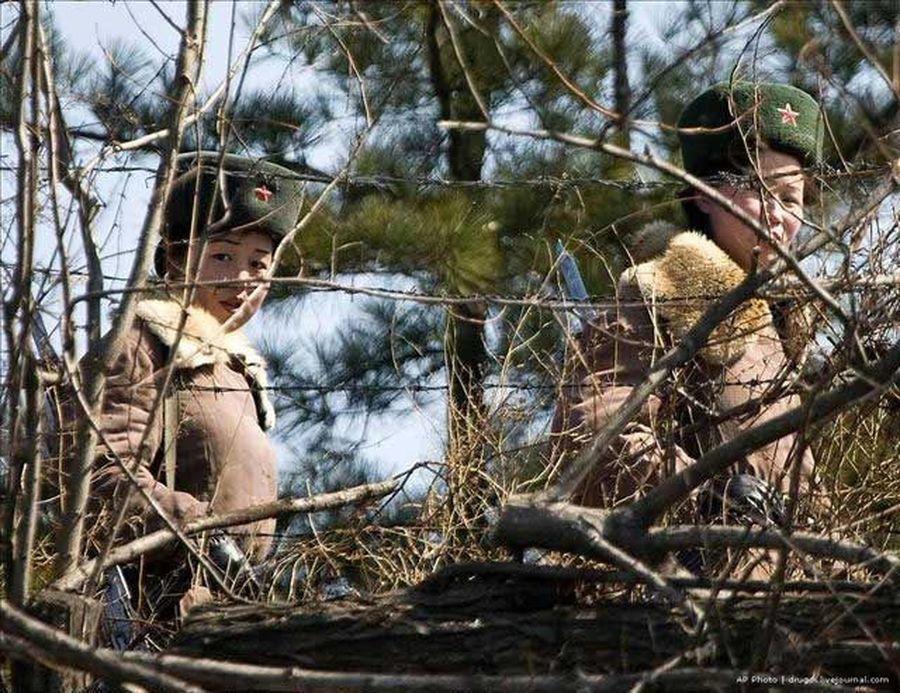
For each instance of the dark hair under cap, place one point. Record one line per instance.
(779, 116)
(261, 196)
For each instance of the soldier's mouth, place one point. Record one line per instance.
(232, 305)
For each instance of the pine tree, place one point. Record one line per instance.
(462, 238)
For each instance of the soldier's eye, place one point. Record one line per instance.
(258, 264)
(222, 257)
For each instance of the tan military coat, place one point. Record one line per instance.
(224, 460)
(747, 368)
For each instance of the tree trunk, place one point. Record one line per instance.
(622, 89)
(618, 29)
(465, 352)
(509, 619)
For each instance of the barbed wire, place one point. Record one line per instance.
(325, 389)
(418, 387)
(545, 181)
(794, 291)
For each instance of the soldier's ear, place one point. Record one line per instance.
(175, 257)
(159, 259)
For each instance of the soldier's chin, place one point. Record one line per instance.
(225, 309)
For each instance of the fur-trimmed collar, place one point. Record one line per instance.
(681, 273)
(204, 343)
(202, 340)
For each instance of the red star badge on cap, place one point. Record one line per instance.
(262, 193)
(788, 115)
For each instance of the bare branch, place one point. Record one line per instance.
(243, 314)
(820, 408)
(573, 529)
(716, 536)
(649, 159)
(461, 61)
(151, 542)
(714, 315)
(863, 48)
(188, 72)
(553, 67)
(189, 286)
(18, 311)
(23, 537)
(88, 204)
(351, 61)
(31, 638)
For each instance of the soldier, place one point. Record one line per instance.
(207, 450)
(766, 134)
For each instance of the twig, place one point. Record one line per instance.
(713, 35)
(863, 48)
(572, 529)
(33, 639)
(189, 287)
(243, 314)
(167, 18)
(714, 315)
(463, 63)
(146, 494)
(188, 71)
(783, 289)
(23, 537)
(59, 149)
(650, 159)
(585, 532)
(144, 141)
(822, 407)
(10, 41)
(156, 540)
(560, 573)
(88, 204)
(721, 536)
(554, 68)
(350, 61)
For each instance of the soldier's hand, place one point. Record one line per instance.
(252, 302)
(598, 405)
(181, 507)
(194, 597)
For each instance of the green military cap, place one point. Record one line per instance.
(262, 196)
(781, 116)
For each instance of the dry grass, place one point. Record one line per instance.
(859, 457)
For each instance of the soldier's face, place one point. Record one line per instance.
(778, 205)
(240, 256)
